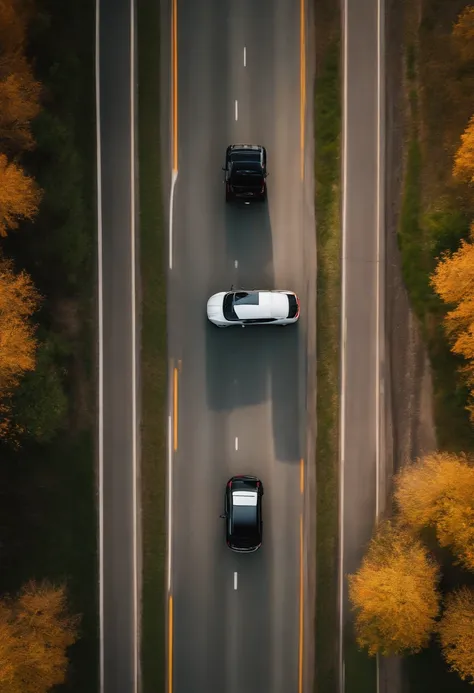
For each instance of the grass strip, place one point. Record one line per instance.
(327, 206)
(153, 351)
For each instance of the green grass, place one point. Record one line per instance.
(154, 352)
(327, 205)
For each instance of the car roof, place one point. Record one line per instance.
(270, 305)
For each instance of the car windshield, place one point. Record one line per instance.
(246, 156)
(228, 307)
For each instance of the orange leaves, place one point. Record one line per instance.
(19, 196)
(463, 168)
(19, 91)
(18, 301)
(35, 632)
(453, 281)
(456, 632)
(438, 491)
(463, 34)
(394, 594)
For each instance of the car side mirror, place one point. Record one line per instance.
(266, 174)
(223, 516)
(224, 168)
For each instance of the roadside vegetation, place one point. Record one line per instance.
(397, 595)
(423, 562)
(47, 393)
(154, 351)
(327, 116)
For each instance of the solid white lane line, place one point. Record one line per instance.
(245, 56)
(101, 347)
(235, 581)
(380, 258)
(236, 264)
(134, 348)
(170, 498)
(236, 109)
(236, 443)
(174, 177)
(342, 416)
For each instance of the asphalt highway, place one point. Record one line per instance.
(361, 442)
(117, 349)
(238, 398)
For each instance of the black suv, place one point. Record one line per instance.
(245, 172)
(243, 513)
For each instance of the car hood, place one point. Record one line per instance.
(214, 306)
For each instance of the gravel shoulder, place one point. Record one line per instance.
(410, 429)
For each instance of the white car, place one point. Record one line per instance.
(229, 308)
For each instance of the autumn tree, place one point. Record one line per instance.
(19, 196)
(18, 301)
(453, 280)
(13, 18)
(19, 90)
(463, 168)
(438, 491)
(35, 632)
(456, 632)
(394, 594)
(463, 34)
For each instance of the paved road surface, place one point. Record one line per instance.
(116, 416)
(362, 304)
(238, 403)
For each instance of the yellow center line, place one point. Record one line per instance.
(170, 644)
(300, 653)
(302, 82)
(175, 409)
(174, 79)
(302, 476)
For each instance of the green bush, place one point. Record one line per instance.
(40, 404)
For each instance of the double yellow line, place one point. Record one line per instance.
(175, 409)
(174, 82)
(301, 590)
(302, 82)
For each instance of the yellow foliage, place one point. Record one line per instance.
(12, 31)
(453, 280)
(463, 33)
(456, 632)
(19, 91)
(35, 632)
(19, 196)
(438, 491)
(463, 168)
(19, 104)
(18, 301)
(394, 594)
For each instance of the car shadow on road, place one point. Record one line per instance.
(283, 362)
(236, 357)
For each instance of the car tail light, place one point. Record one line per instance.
(258, 484)
(229, 484)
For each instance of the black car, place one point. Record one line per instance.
(243, 513)
(245, 172)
